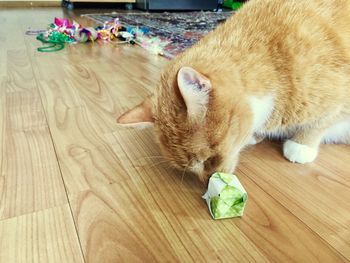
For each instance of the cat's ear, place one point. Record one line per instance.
(195, 89)
(139, 117)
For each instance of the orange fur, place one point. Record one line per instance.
(296, 52)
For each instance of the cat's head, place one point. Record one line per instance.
(197, 127)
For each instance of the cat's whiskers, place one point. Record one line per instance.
(183, 173)
(158, 163)
(155, 157)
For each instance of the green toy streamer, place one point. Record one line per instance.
(56, 41)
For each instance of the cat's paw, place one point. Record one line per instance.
(255, 140)
(252, 141)
(299, 153)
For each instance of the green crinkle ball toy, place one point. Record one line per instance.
(225, 197)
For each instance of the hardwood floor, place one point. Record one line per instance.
(75, 187)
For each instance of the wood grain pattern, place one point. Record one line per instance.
(119, 201)
(264, 217)
(31, 178)
(43, 236)
(153, 234)
(36, 223)
(318, 193)
(85, 159)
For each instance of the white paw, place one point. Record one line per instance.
(252, 141)
(299, 153)
(255, 140)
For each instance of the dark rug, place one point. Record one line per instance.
(182, 30)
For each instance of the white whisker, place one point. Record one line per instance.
(158, 163)
(183, 174)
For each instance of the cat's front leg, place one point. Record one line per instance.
(303, 146)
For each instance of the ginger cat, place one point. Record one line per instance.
(276, 69)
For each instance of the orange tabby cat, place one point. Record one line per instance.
(277, 68)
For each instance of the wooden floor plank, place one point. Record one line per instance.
(266, 219)
(273, 230)
(31, 179)
(3, 59)
(106, 91)
(11, 33)
(107, 233)
(318, 193)
(45, 236)
(82, 102)
(122, 222)
(85, 159)
(36, 223)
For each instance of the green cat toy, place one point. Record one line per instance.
(233, 4)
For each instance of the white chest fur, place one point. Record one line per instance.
(262, 108)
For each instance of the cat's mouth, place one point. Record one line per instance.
(197, 167)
